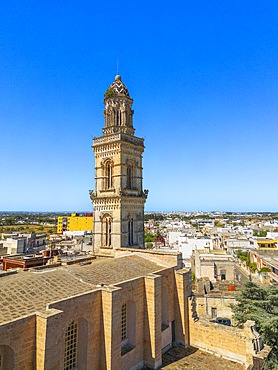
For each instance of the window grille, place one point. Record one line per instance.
(70, 347)
(124, 328)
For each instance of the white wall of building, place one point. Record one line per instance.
(15, 246)
(186, 245)
(272, 235)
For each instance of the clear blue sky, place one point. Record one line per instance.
(204, 78)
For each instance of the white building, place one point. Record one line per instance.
(15, 246)
(23, 243)
(186, 244)
(216, 266)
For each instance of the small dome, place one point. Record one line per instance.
(119, 87)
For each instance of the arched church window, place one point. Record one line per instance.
(70, 359)
(130, 232)
(109, 175)
(128, 327)
(107, 230)
(129, 177)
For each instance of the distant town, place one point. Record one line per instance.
(248, 240)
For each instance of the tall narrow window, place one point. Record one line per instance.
(129, 177)
(70, 360)
(164, 307)
(109, 175)
(107, 230)
(124, 323)
(130, 232)
(118, 118)
(128, 327)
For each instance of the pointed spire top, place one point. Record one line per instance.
(117, 65)
(117, 88)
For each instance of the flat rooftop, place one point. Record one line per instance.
(192, 358)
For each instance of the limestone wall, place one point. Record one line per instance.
(19, 335)
(226, 341)
(218, 339)
(158, 308)
(206, 303)
(86, 311)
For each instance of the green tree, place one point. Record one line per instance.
(261, 305)
(149, 237)
(264, 269)
(9, 221)
(245, 256)
(261, 233)
(252, 266)
(154, 216)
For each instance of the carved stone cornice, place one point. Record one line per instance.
(120, 129)
(117, 137)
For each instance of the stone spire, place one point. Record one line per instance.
(118, 113)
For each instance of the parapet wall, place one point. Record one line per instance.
(220, 340)
(240, 345)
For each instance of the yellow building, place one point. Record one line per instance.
(75, 222)
(267, 244)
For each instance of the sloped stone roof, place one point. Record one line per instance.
(114, 270)
(28, 292)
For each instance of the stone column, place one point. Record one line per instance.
(183, 290)
(49, 343)
(111, 346)
(152, 328)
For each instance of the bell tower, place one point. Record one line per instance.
(118, 198)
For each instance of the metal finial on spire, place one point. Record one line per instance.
(117, 65)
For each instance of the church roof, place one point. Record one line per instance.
(114, 270)
(118, 87)
(27, 292)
